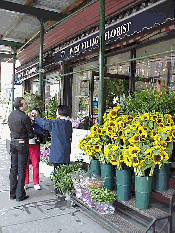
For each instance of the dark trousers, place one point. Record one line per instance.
(19, 154)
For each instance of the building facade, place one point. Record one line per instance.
(138, 30)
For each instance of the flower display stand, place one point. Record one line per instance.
(142, 191)
(162, 177)
(123, 181)
(107, 173)
(95, 167)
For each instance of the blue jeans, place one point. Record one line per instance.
(19, 153)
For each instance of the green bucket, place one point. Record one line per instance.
(142, 191)
(162, 177)
(95, 167)
(123, 180)
(107, 173)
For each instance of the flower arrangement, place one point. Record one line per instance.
(92, 144)
(44, 152)
(142, 141)
(91, 191)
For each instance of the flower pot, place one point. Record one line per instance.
(142, 191)
(107, 173)
(123, 181)
(95, 167)
(162, 177)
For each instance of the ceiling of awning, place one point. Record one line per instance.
(16, 28)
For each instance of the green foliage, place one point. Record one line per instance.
(102, 194)
(150, 100)
(52, 108)
(34, 100)
(115, 87)
(62, 176)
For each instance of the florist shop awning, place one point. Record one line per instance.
(135, 22)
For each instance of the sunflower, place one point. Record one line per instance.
(89, 152)
(170, 120)
(165, 155)
(169, 139)
(121, 124)
(140, 130)
(128, 161)
(113, 113)
(157, 158)
(173, 133)
(161, 125)
(133, 150)
(94, 129)
(121, 158)
(167, 129)
(154, 117)
(116, 108)
(134, 139)
(109, 129)
(114, 147)
(146, 116)
(148, 153)
(97, 148)
(144, 134)
(135, 160)
(159, 120)
(112, 124)
(141, 164)
(114, 162)
(99, 131)
(153, 134)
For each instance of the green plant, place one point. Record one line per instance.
(115, 87)
(151, 100)
(102, 194)
(62, 176)
(52, 108)
(34, 100)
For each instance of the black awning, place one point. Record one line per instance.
(155, 14)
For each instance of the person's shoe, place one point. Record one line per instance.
(13, 197)
(26, 186)
(22, 198)
(37, 187)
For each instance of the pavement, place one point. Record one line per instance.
(43, 211)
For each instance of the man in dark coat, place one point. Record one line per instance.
(21, 130)
(61, 129)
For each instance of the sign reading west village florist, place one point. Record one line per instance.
(146, 18)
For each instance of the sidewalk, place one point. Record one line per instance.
(43, 211)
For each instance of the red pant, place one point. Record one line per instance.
(34, 154)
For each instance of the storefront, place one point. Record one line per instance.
(146, 29)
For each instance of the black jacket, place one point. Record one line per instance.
(20, 125)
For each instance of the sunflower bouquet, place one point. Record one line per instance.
(147, 142)
(93, 144)
(140, 141)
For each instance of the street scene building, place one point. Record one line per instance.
(112, 63)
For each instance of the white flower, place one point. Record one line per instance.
(115, 100)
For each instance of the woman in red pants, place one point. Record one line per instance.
(34, 153)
